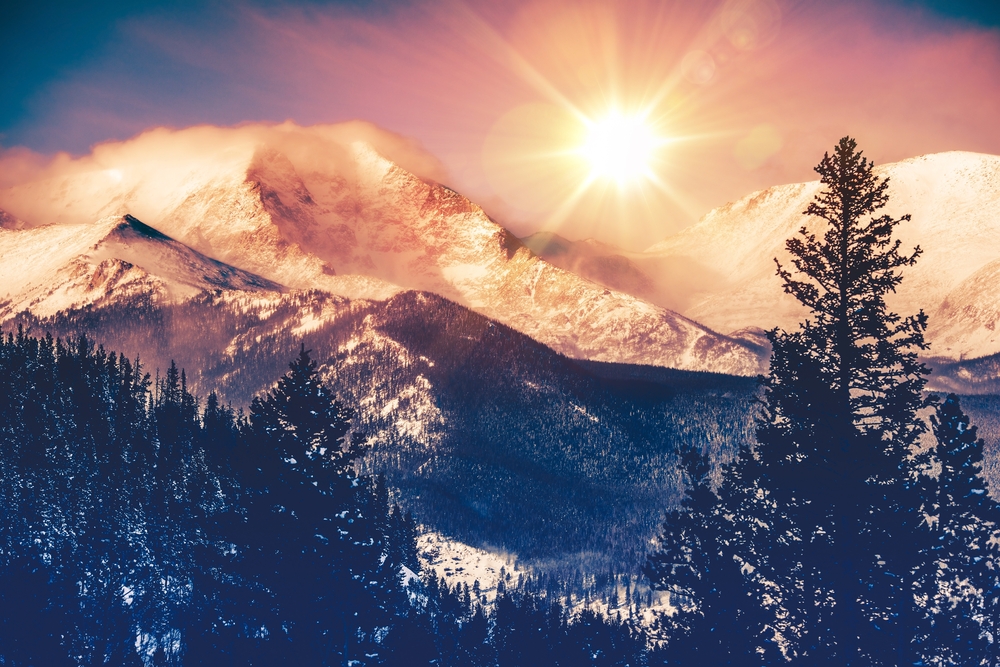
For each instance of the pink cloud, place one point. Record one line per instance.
(777, 85)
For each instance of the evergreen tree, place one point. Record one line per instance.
(821, 516)
(317, 531)
(719, 618)
(841, 402)
(958, 580)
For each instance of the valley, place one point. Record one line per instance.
(528, 397)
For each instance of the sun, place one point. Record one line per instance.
(621, 148)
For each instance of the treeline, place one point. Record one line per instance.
(855, 531)
(485, 434)
(142, 528)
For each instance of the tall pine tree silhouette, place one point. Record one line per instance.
(841, 419)
(819, 519)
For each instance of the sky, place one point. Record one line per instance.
(743, 94)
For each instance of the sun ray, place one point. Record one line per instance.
(500, 49)
(599, 150)
(688, 206)
(562, 212)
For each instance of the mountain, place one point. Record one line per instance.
(666, 281)
(721, 271)
(53, 268)
(323, 208)
(598, 262)
(954, 200)
(489, 437)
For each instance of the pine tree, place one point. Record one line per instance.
(841, 419)
(323, 527)
(958, 580)
(718, 620)
(820, 517)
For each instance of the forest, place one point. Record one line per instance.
(141, 528)
(845, 520)
(483, 433)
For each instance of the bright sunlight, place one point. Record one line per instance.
(620, 148)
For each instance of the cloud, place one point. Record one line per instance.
(153, 172)
(448, 73)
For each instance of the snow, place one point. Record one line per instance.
(583, 411)
(403, 411)
(468, 273)
(57, 267)
(318, 208)
(954, 200)
(459, 563)
(462, 564)
(342, 218)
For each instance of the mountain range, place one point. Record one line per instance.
(318, 208)
(721, 271)
(525, 394)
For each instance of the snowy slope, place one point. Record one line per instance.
(954, 200)
(48, 269)
(667, 281)
(377, 220)
(598, 262)
(312, 209)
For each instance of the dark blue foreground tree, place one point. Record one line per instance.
(809, 549)
(312, 536)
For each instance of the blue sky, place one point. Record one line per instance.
(43, 42)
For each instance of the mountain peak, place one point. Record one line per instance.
(315, 208)
(54, 267)
(130, 225)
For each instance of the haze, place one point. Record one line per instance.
(749, 91)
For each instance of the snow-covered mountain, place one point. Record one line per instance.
(48, 269)
(321, 208)
(598, 262)
(954, 200)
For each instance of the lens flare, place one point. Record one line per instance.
(602, 145)
(620, 148)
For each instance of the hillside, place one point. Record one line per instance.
(490, 437)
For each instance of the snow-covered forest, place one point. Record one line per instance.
(833, 512)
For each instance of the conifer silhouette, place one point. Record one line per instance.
(819, 518)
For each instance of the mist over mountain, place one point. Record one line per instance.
(267, 239)
(322, 208)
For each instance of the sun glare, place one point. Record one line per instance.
(620, 148)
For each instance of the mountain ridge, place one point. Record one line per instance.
(341, 217)
(954, 198)
(721, 270)
(52, 268)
